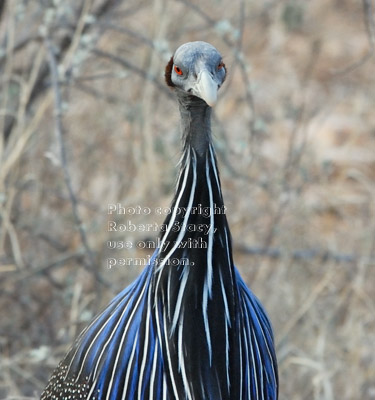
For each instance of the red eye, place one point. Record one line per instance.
(220, 66)
(178, 70)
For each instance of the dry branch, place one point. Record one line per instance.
(59, 130)
(368, 16)
(129, 66)
(323, 256)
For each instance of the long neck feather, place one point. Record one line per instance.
(195, 266)
(198, 211)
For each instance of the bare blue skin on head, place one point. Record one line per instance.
(197, 74)
(202, 71)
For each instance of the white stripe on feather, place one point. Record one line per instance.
(186, 216)
(176, 207)
(172, 375)
(181, 291)
(140, 297)
(181, 361)
(206, 323)
(129, 370)
(153, 372)
(145, 351)
(211, 233)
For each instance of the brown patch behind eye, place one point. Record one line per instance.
(168, 73)
(226, 71)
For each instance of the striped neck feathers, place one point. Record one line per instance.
(193, 284)
(197, 223)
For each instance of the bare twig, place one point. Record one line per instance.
(9, 229)
(60, 260)
(18, 46)
(199, 11)
(2, 7)
(223, 152)
(368, 15)
(91, 264)
(80, 27)
(323, 256)
(96, 94)
(26, 375)
(6, 75)
(307, 304)
(96, 77)
(369, 21)
(139, 71)
(129, 32)
(295, 150)
(67, 46)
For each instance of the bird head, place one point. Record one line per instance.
(196, 69)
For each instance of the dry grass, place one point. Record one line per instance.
(295, 136)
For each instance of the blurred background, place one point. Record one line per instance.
(86, 121)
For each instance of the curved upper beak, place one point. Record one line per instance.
(206, 88)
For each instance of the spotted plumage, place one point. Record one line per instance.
(188, 327)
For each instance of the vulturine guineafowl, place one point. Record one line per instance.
(188, 327)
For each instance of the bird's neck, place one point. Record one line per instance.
(193, 284)
(195, 123)
(197, 227)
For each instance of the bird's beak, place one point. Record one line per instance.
(206, 88)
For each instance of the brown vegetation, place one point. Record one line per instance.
(87, 121)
